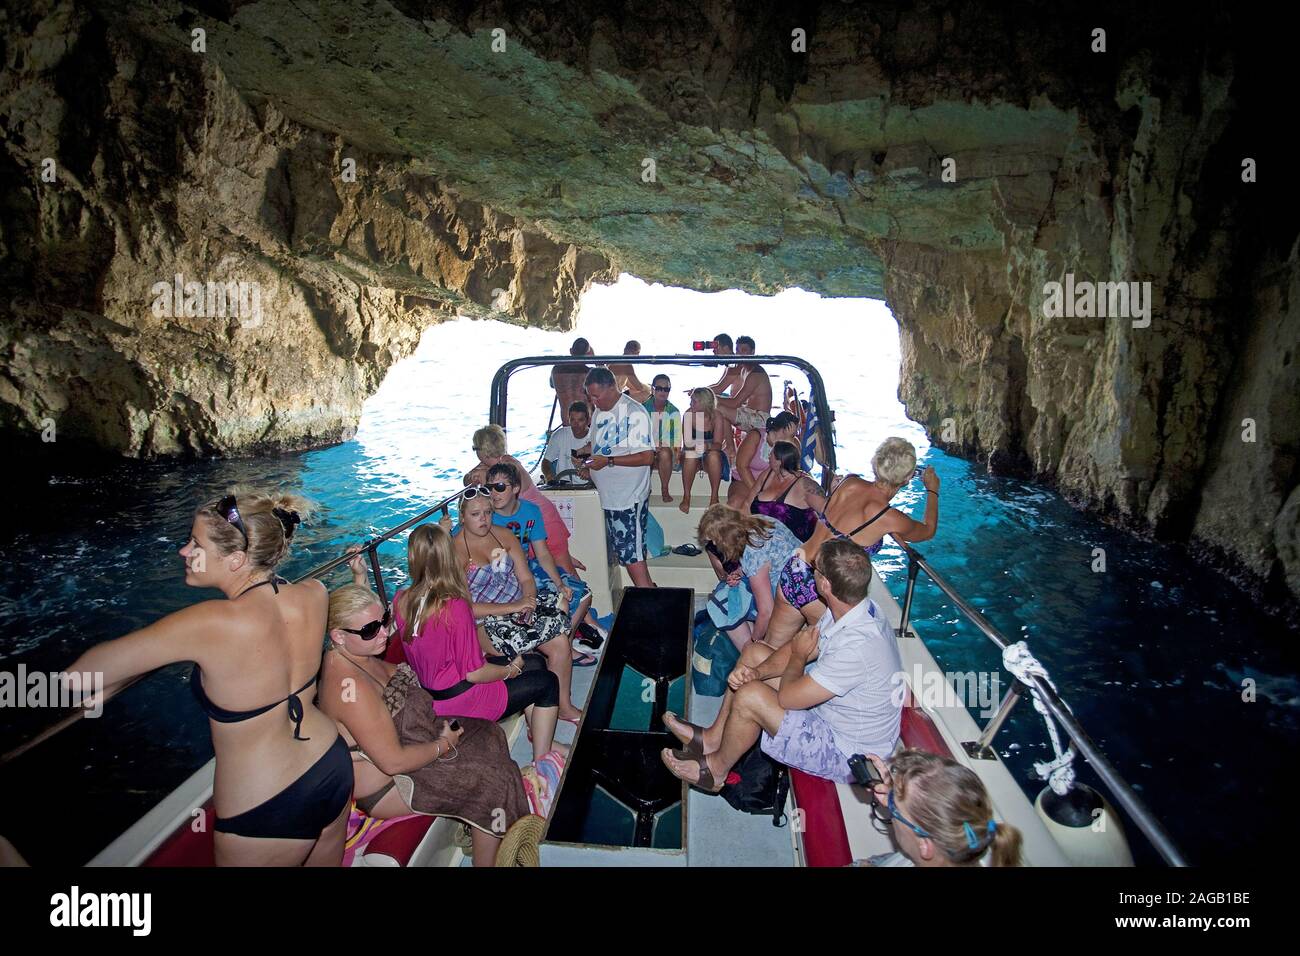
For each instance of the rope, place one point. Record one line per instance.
(1059, 773)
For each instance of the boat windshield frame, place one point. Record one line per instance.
(499, 404)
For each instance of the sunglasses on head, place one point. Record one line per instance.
(368, 632)
(474, 491)
(226, 508)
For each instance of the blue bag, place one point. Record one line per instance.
(713, 660)
(729, 606)
(654, 536)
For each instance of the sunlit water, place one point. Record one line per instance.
(1152, 654)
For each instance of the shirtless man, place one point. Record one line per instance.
(748, 408)
(567, 379)
(625, 379)
(732, 378)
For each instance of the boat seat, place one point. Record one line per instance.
(185, 847)
(825, 839)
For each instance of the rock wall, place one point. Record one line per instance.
(371, 168)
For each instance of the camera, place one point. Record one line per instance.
(864, 771)
(699, 346)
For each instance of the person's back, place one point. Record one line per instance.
(567, 378)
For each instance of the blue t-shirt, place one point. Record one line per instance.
(525, 524)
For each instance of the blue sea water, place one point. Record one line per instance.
(1153, 654)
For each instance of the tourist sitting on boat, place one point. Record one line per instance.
(748, 548)
(407, 755)
(941, 814)
(523, 519)
(858, 511)
(787, 494)
(515, 617)
(622, 450)
(826, 695)
(780, 427)
(490, 446)
(567, 378)
(625, 379)
(703, 435)
(666, 424)
(283, 775)
(568, 446)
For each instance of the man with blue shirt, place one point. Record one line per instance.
(826, 695)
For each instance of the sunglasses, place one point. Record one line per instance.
(498, 485)
(474, 491)
(226, 508)
(663, 388)
(369, 631)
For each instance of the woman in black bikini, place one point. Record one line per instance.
(703, 431)
(284, 776)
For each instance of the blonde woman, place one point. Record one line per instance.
(490, 446)
(283, 777)
(704, 432)
(941, 814)
(406, 757)
(751, 548)
(858, 511)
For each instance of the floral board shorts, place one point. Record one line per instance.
(797, 582)
(806, 742)
(625, 533)
(513, 634)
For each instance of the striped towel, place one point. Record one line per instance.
(809, 441)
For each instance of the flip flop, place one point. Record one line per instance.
(584, 660)
(695, 746)
(688, 549)
(706, 783)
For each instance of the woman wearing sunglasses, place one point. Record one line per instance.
(515, 616)
(940, 812)
(283, 775)
(407, 759)
(451, 656)
(490, 446)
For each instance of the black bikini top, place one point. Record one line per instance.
(223, 716)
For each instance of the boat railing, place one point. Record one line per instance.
(1119, 789)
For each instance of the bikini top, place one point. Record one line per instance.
(821, 516)
(493, 583)
(223, 716)
(800, 521)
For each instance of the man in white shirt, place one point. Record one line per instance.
(622, 450)
(834, 695)
(567, 443)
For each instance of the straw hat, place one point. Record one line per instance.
(519, 847)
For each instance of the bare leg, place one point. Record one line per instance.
(485, 847)
(664, 462)
(741, 635)
(751, 656)
(542, 724)
(584, 608)
(640, 574)
(558, 652)
(690, 466)
(745, 456)
(787, 619)
(713, 465)
(754, 710)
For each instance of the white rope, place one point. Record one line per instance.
(1059, 773)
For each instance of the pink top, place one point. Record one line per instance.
(445, 650)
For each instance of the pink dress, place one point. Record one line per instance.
(445, 650)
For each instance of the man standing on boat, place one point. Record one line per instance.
(748, 408)
(567, 378)
(622, 450)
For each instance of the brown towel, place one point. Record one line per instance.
(480, 784)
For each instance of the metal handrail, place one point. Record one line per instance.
(1118, 787)
(825, 420)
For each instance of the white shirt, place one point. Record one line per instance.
(623, 430)
(557, 451)
(857, 660)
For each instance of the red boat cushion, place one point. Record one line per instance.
(400, 840)
(187, 848)
(918, 731)
(825, 841)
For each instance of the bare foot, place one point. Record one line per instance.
(572, 715)
(713, 501)
(685, 506)
(667, 496)
(689, 770)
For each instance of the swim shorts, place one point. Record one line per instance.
(625, 533)
(797, 582)
(806, 742)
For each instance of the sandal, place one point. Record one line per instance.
(694, 746)
(706, 783)
(688, 549)
(583, 660)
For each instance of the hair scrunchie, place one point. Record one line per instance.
(289, 519)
